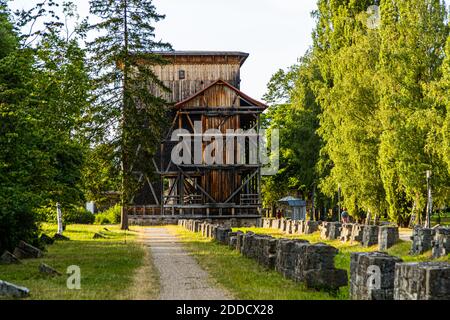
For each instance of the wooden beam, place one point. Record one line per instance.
(201, 189)
(242, 186)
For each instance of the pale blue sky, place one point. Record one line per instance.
(274, 32)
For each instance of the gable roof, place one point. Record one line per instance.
(245, 97)
(242, 55)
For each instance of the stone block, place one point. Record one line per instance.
(372, 275)
(311, 227)
(422, 281)
(441, 243)
(27, 251)
(357, 233)
(13, 291)
(60, 237)
(46, 269)
(421, 240)
(325, 230)
(8, 258)
(346, 232)
(240, 241)
(46, 239)
(387, 237)
(335, 230)
(286, 256)
(222, 235)
(370, 236)
(314, 265)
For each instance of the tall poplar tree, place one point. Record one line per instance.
(130, 116)
(413, 37)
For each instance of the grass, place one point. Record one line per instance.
(109, 267)
(246, 279)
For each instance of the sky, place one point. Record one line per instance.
(274, 32)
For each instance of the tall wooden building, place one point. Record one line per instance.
(205, 93)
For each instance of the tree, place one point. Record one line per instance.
(295, 113)
(122, 55)
(44, 101)
(413, 36)
(21, 162)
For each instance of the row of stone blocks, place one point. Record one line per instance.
(368, 235)
(291, 226)
(312, 264)
(379, 276)
(425, 239)
(373, 275)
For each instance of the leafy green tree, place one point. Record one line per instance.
(295, 113)
(23, 166)
(102, 173)
(413, 36)
(44, 100)
(128, 113)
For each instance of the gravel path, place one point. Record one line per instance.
(180, 275)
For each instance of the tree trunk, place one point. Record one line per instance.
(125, 160)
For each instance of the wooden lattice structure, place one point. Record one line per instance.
(205, 94)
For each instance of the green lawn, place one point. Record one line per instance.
(111, 268)
(246, 279)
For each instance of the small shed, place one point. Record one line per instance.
(295, 208)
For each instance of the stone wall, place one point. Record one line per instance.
(357, 233)
(291, 226)
(422, 281)
(372, 276)
(286, 257)
(441, 243)
(421, 240)
(311, 227)
(325, 230)
(388, 236)
(346, 232)
(295, 259)
(315, 267)
(370, 236)
(335, 230)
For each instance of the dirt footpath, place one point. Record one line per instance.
(181, 277)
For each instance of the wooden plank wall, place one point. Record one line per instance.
(198, 77)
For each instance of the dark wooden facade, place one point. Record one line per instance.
(204, 90)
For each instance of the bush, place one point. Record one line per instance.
(78, 216)
(110, 216)
(71, 215)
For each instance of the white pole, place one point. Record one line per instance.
(59, 218)
(430, 201)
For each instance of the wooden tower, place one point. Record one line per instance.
(206, 96)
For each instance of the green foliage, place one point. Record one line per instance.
(129, 115)
(110, 216)
(44, 99)
(70, 215)
(101, 172)
(295, 115)
(368, 108)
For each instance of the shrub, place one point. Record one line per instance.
(78, 216)
(71, 215)
(110, 216)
